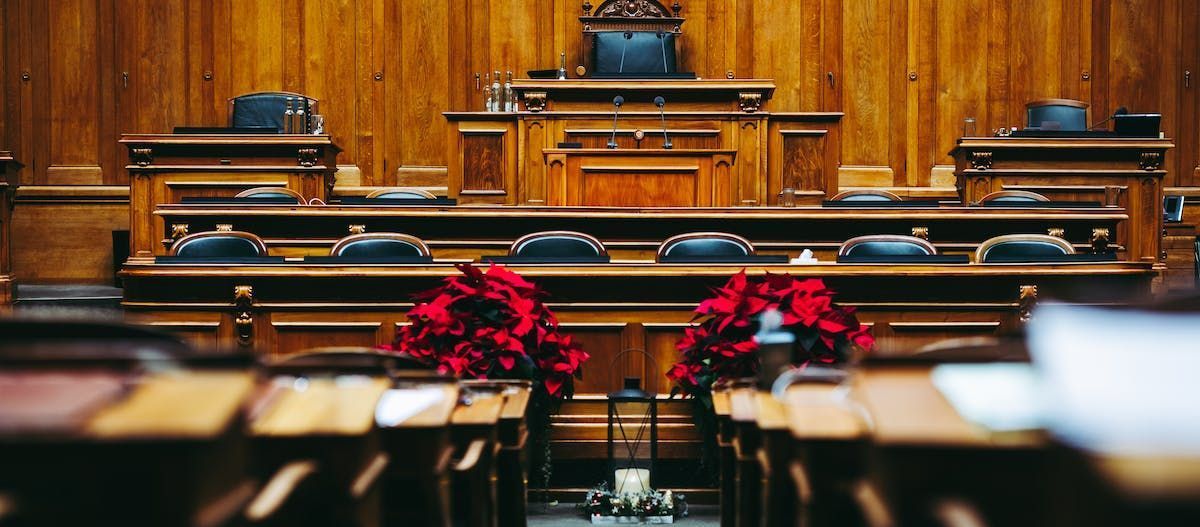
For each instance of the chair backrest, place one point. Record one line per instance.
(401, 193)
(271, 192)
(704, 244)
(219, 244)
(1022, 245)
(1021, 196)
(379, 245)
(865, 194)
(653, 41)
(887, 245)
(267, 108)
(557, 244)
(1057, 114)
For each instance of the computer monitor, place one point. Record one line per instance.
(1172, 209)
(1137, 124)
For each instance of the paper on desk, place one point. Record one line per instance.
(1001, 397)
(1120, 382)
(806, 257)
(399, 404)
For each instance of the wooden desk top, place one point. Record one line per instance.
(953, 212)
(321, 406)
(136, 269)
(765, 85)
(1063, 143)
(822, 412)
(132, 140)
(184, 405)
(483, 410)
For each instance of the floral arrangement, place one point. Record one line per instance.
(491, 325)
(722, 345)
(651, 506)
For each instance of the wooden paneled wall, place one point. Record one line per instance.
(905, 72)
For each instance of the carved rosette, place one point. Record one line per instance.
(921, 232)
(141, 156)
(535, 101)
(1150, 160)
(178, 230)
(224, 227)
(1027, 301)
(1057, 232)
(307, 156)
(750, 102)
(981, 160)
(243, 318)
(1100, 240)
(357, 228)
(631, 9)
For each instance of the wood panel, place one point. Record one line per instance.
(385, 70)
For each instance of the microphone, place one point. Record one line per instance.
(617, 102)
(1120, 111)
(662, 43)
(628, 36)
(660, 102)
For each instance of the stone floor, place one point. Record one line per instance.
(565, 514)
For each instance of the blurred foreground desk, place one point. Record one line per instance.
(292, 306)
(165, 168)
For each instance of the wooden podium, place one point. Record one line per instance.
(1114, 171)
(719, 126)
(165, 168)
(640, 178)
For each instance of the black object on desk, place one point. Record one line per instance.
(535, 260)
(398, 202)
(275, 200)
(219, 130)
(368, 260)
(224, 260)
(754, 259)
(852, 204)
(1042, 204)
(1054, 258)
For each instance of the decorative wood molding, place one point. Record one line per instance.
(1100, 240)
(178, 230)
(1057, 232)
(224, 227)
(141, 156)
(921, 232)
(1150, 160)
(750, 102)
(631, 9)
(981, 160)
(307, 156)
(243, 318)
(357, 228)
(1027, 301)
(535, 101)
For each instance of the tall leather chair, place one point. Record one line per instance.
(401, 193)
(267, 108)
(219, 244)
(557, 244)
(1065, 114)
(704, 244)
(1029, 246)
(379, 245)
(271, 192)
(865, 194)
(887, 245)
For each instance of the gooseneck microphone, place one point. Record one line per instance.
(660, 102)
(617, 102)
(662, 43)
(1119, 111)
(628, 36)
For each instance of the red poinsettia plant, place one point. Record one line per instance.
(722, 345)
(491, 325)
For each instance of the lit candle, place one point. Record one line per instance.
(632, 480)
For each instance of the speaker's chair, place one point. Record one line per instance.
(1013, 196)
(401, 193)
(866, 195)
(557, 244)
(704, 245)
(267, 109)
(1029, 246)
(379, 245)
(271, 192)
(887, 245)
(1057, 114)
(219, 244)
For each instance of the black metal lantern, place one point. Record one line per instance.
(632, 416)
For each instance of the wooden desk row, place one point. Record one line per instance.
(889, 449)
(224, 447)
(281, 308)
(474, 231)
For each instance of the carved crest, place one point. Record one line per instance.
(633, 9)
